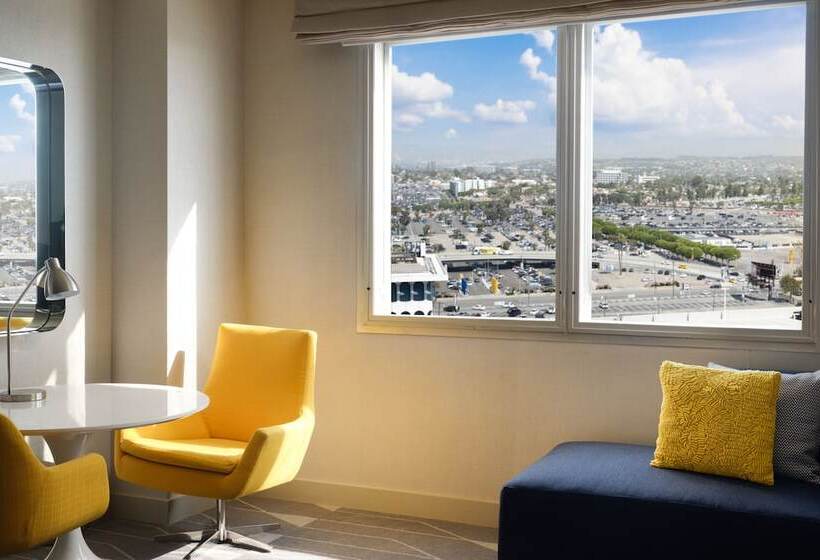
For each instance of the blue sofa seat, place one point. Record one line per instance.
(603, 500)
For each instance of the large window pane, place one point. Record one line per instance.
(18, 227)
(473, 183)
(698, 170)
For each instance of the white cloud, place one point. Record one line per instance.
(439, 110)
(504, 111)
(450, 133)
(763, 82)
(634, 86)
(407, 120)
(414, 115)
(8, 143)
(544, 38)
(424, 88)
(28, 87)
(787, 123)
(532, 62)
(18, 105)
(418, 98)
(722, 42)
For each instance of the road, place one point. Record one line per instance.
(619, 302)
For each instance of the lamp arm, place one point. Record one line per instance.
(34, 278)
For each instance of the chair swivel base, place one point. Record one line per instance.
(230, 538)
(219, 535)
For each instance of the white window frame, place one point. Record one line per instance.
(573, 217)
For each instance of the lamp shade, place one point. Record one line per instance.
(57, 284)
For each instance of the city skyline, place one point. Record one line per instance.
(662, 88)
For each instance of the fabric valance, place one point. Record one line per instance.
(369, 21)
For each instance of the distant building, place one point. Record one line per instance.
(642, 179)
(610, 176)
(708, 240)
(462, 186)
(413, 278)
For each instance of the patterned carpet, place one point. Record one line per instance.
(307, 532)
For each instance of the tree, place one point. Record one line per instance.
(506, 245)
(791, 285)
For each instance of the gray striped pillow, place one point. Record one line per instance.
(797, 425)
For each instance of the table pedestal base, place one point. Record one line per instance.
(72, 545)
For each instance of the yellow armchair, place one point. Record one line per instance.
(254, 435)
(39, 503)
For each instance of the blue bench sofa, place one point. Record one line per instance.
(603, 500)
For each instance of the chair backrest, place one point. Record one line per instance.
(19, 470)
(260, 376)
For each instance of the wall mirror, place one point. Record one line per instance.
(32, 201)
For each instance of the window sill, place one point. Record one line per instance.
(589, 333)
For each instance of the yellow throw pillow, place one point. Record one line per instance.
(717, 422)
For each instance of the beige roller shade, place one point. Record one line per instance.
(368, 21)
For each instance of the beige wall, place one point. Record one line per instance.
(73, 37)
(204, 177)
(177, 182)
(178, 196)
(442, 416)
(140, 142)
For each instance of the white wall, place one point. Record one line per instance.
(73, 38)
(441, 416)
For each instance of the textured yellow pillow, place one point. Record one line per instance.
(717, 422)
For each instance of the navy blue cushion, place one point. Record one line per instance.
(590, 500)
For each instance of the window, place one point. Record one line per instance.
(473, 189)
(697, 188)
(18, 226)
(635, 177)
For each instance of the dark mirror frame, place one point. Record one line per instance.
(50, 185)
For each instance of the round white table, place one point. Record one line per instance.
(70, 413)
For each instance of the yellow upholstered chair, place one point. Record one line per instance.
(253, 435)
(39, 503)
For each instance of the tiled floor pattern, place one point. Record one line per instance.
(307, 532)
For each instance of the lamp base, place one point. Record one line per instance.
(23, 395)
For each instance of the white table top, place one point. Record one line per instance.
(103, 406)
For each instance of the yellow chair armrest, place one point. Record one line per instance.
(275, 454)
(70, 495)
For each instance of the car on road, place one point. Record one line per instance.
(479, 307)
(513, 312)
(451, 308)
(701, 277)
(603, 305)
(705, 293)
(550, 309)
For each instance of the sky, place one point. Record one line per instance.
(17, 132)
(728, 84)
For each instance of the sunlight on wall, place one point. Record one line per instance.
(182, 298)
(75, 353)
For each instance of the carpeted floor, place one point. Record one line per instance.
(307, 532)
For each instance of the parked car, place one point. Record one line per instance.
(513, 312)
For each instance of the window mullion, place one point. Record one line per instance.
(574, 153)
(811, 170)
